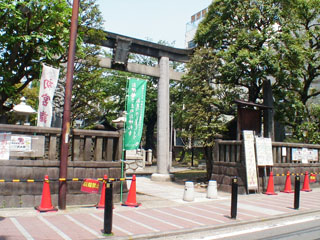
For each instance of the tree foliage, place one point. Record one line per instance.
(31, 32)
(298, 57)
(241, 44)
(239, 32)
(89, 96)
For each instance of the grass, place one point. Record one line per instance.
(191, 175)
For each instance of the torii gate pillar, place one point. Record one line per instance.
(163, 132)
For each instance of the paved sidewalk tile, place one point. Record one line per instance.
(130, 222)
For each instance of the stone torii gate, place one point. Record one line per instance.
(122, 46)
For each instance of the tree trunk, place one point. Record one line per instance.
(150, 142)
(209, 161)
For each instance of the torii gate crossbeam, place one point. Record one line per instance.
(122, 46)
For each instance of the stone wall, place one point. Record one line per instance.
(223, 172)
(23, 194)
(280, 170)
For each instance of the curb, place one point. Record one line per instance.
(210, 228)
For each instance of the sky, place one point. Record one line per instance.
(151, 20)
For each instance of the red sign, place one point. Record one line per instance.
(313, 178)
(90, 186)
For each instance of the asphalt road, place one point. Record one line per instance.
(306, 227)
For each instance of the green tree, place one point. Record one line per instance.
(298, 56)
(239, 32)
(89, 81)
(31, 32)
(202, 103)
(232, 60)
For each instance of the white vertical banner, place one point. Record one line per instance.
(250, 156)
(48, 84)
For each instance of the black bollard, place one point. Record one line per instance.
(234, 198)
(297, 192)
(108, 209)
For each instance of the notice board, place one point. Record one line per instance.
(264, 151)
(250, 157)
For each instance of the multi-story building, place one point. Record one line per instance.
(192, 26)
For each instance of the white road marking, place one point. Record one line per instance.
(139, 223)
(185, 219)
(113, 225)
(267, 211)
(54, 228)
(208, 210)
(194, 214)
(21, 229)
(160, 220)
(84, 226)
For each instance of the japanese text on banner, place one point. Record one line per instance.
(135, 113)
(48, 84)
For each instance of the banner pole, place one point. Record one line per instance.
(124, 130)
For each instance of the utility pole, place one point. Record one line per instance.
(64, 146)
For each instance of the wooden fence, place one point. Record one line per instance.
(232, 151)
(92, 154)
(85, 145)
(229, 161)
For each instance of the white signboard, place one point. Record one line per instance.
(264, 151)
(20, 143)
(304, 155)
(250, 156)
(5, 146)
(315, 155)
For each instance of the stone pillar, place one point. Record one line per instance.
(163, 136)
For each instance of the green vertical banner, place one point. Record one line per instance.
(136, 98)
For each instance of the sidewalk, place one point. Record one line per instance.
(163, 213)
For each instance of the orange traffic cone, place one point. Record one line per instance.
(306, 186)
(103, 193)
(131, 200)
(46, 204)
(287, 188)
(270, 188)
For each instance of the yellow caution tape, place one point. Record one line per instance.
(64, 179)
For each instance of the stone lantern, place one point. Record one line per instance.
(22, 109)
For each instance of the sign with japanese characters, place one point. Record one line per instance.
(136, 96)
(305, 155)
(5, 146)
(250, 156)
(48, 84)
(264, 151)
(313, 177)
(20, 143)
(90, 186)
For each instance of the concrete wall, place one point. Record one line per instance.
(23, 194)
